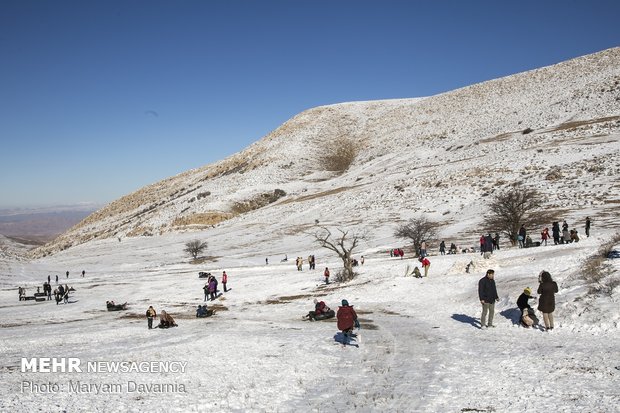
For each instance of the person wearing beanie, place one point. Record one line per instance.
(524, 306)
(347, 319)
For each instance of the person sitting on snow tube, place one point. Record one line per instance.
(320, 309)
(115, 307)
(202, 311)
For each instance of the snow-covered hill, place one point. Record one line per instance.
(555, 128)
(422, 348)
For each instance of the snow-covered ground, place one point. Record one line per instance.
(556, 130)
(421, 346)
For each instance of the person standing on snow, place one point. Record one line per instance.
(544, 236)
(423, 248)
(212, 288)
(588, 223)
(150, 315)
(521, 236)
(224, 280)
(487, 293)
(347, 319)
(555, 231)
(546, 302)
(326, 274)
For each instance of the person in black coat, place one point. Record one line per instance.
(555, 230)
(522, 301)
(526, 309)
(487, 293)
(546, 303)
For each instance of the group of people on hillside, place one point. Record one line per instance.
(488, 244)
(62, 294)
(547, 288)
(210, 288)
(455, 249)
(560, 235)
(397, 252)
(165, 319)
(299, 262)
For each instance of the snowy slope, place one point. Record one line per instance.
(421, 346)
(439, 156)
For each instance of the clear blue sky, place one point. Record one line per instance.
(100, 98)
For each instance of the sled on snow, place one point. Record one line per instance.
(209, 313)
(323, 316)
(116, 307)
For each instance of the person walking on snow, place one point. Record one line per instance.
(326, 274)
(588, 223)
(487, 293)
(347, 319)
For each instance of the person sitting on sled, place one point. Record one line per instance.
(320, 308)
(201, 311)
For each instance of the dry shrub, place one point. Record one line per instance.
(257, 202)
(597, 270)
(344, 276)
(340, 155)
(206, 218)
(141, 232)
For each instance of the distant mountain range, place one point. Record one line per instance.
(41, 225)
(373, 165)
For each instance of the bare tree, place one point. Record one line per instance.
(514, 207)
(343, 245)
(195, 247)
(417, 230)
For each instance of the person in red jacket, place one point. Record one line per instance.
(326, 274)
(347, 319)
(224, 280)
(425, 264)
